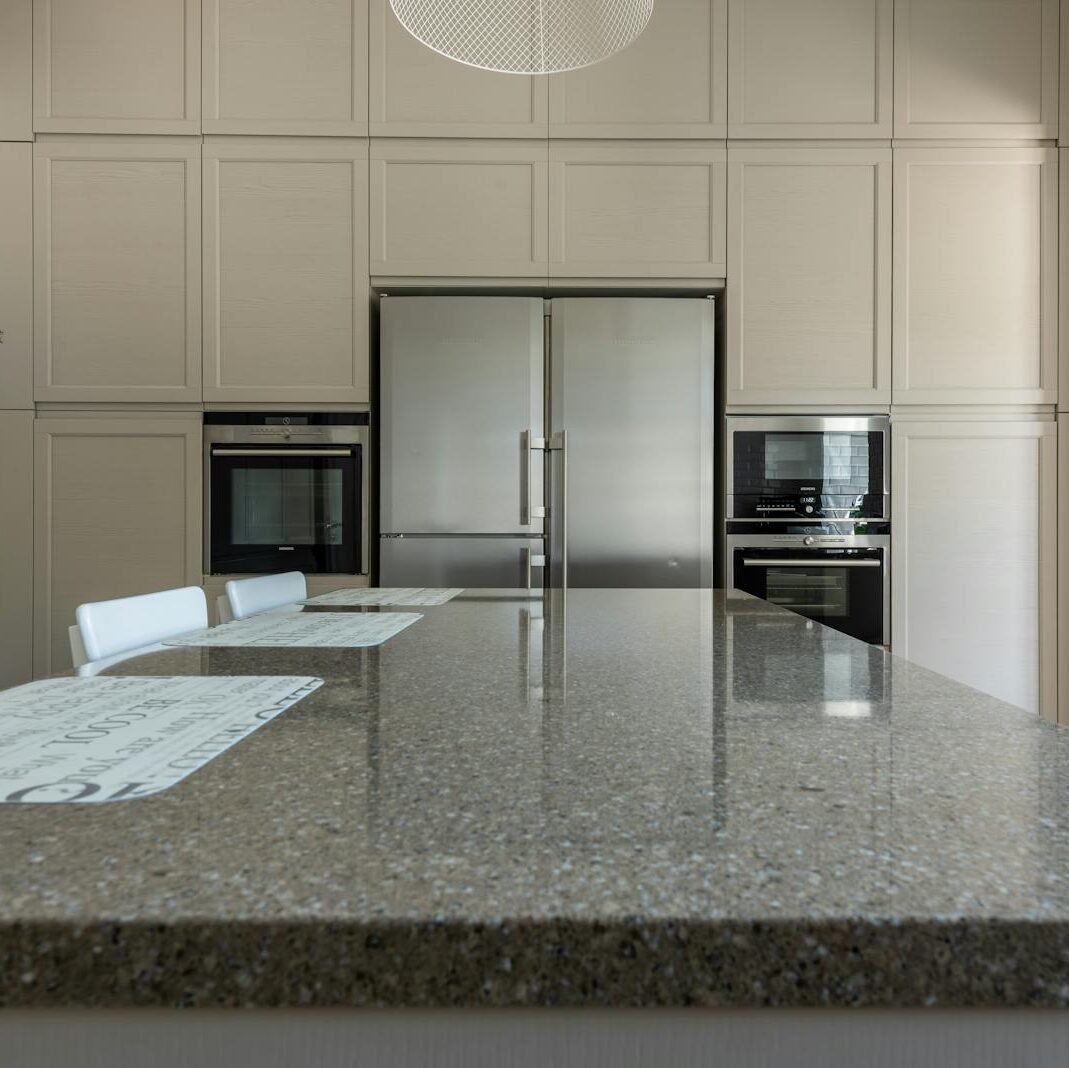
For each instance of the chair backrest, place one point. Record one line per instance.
(222, 608)
(78, 657)
(110, 627)
(247, 597)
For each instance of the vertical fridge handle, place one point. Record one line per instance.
(528, 444)
(559, 443)
(528, 561)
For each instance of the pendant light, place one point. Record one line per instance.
(525, 36)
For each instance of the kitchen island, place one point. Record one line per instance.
(621, 798)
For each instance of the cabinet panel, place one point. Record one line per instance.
(16, 275)
(974, 554)
(458, 208)
(16, 561)
(116, 513)
(968, 69)
(285, 270)
(672, 82)
(809, 258)
(16, 78)
(627, 209)
(117, 270)
(288, 67)
(415, 92)
(975, 286)
(810, 68)
(117, 66)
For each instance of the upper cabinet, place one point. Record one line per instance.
(16, 81)
(969, 69)
(810, 68)
(458, 208)
(672, 82)
(16, 275)
(117, 269)
(975, 275)
(285, 269)
(117, 66)
(809, 256)
(637, 210)
(415, 92)
(285, 67)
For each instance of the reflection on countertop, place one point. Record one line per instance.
(617, 797)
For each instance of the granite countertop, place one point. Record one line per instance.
(634, 798)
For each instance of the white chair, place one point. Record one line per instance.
(112, 631)
(249, 597)
(78, 657)
(222, 609)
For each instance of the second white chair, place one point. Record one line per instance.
(110, 631)
(250, 597)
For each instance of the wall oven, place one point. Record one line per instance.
(286, 492)
(808, 517)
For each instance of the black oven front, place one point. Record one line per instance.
(286, 492)
(786, 468)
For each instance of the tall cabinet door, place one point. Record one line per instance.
(975, 275)
(16, 275)
(461, 394)
(809, 251)
(285, 67)
(16, 561)
(117, 507)
(16, 84)
(117, 269)
(973, 570)
(631, 500)
(285, 270)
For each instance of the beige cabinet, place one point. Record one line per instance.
(672, 82)
(809, 267)
(969, 69)
(458, 208)
(636, 209)
(285, 269)
(810, 68)
(416, 92)
(117, 506)
(286, 67)
(16, 560)
(16, 275)
(117, 269)
(975, 275)
(116, 66)
(1063, 275)
(1063, 570)
(16, 66)
(973, 552)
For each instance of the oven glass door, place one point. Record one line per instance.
(842, 591)
(285, 509)
(769, 463)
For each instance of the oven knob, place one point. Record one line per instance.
(809, 541)
(809, 509)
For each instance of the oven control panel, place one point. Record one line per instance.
(808, 506)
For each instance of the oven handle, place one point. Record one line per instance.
(281, 452)
(811, 563)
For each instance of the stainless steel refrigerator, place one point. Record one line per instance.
(527, 441)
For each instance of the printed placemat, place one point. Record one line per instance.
(89, 741)
(385, 596)
(323, 630)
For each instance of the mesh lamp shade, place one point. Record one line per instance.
(525, 36)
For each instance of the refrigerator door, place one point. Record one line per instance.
(503, 563)
(631, 460)
(461, 389)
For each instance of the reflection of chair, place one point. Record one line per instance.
(248, 597)
(108, 632)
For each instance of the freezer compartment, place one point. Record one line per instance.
(472, 562)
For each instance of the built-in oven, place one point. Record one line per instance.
(286, 492)
(786, 468)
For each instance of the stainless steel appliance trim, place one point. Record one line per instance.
(806, 423)
(226, 451)
(771, 562)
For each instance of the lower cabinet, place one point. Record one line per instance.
(16, 560)
(974, 531)
(117, 506)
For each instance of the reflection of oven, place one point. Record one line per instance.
(841, 579)
(286, 492)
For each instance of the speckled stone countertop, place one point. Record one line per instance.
(635, 798)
